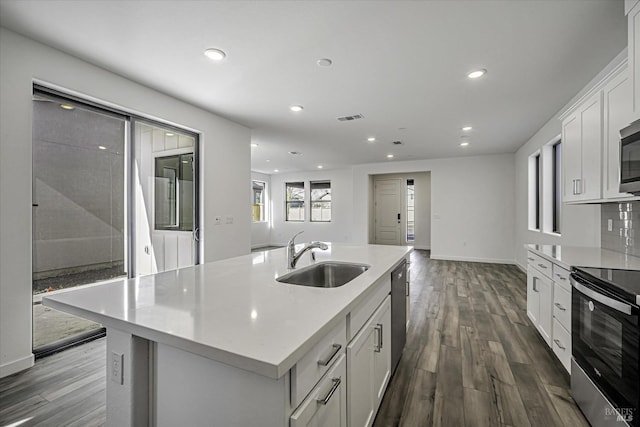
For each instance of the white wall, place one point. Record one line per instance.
(340, 227)
(225, 170)
(472, 205)
(580, 224)
(422, 207)
(261, 231)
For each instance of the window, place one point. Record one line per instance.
(258, 195)
(174, 192)
(410, 211)
(534, 191)
(556, 172)
(320, 201)
(294, 196)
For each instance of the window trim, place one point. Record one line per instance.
(311, 200)
(552, 188)
(534, 191)
(264, 201)
(287, 202)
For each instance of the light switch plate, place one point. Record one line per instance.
(609, 225)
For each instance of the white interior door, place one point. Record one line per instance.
(388, 211)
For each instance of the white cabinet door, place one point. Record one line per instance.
(533, 296)
(382, 350)
(618, 112)
(571, 157)
(326, 405)
(591, 129)
(545, 318)
(360, 377)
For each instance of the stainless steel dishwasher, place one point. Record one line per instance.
(398, 313)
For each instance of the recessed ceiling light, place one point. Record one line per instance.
(464, 143)
(267, 160)
(371, 139)
(320, 166)
(215, 54)
(467, 128)
(169, 134)
(324, 62)
(477, 73)
(102, 147)
(276, 170)
(253, 144)
(67, 107)
(296, 108)
(389, 156)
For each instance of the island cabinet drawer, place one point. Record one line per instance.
(562, 305)
(326, 405)
(561, 276)
(361, 314)
(316, 362)
(541, 264)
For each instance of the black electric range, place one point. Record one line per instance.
(623, 284)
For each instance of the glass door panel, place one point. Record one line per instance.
(79, 208)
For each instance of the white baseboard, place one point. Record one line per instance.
(471, 259)
(16, 366)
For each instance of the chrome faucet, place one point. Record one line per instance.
(293, 256)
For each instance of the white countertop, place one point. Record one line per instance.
(233, 310)
(579, 256)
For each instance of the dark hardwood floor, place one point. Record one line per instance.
(472, 358)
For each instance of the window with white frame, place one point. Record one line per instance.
(535, 175)
(320, 201)
(294, 200)
(545, 188)
(258, 194)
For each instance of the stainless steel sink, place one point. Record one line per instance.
(328, 274)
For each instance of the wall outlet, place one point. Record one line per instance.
(218, 220)
(229, 220)
(117, 362)
(609, 225)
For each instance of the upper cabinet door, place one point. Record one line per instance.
(591, 123)
(618, 113)
(572, 157)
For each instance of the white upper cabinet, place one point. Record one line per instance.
(618, 113)
(582, 145)
(632, 9)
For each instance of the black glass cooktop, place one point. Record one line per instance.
(625, 283)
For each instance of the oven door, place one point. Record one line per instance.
(604, 339)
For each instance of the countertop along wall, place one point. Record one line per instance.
(225, 170)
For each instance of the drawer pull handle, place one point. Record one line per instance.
(336, 383)
(531, 259)
(560, 307)
(559, 344)
(336, 349)
(561, 277)
(542, 266)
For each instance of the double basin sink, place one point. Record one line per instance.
(328, 274)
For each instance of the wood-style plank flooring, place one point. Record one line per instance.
(472, 358)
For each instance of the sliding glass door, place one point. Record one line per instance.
(79, 208)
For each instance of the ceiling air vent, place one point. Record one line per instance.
(349, 118)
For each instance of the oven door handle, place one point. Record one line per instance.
(603, 299)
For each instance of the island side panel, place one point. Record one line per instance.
(128, 387)
(191, 390)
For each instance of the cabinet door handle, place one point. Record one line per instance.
(559, 344)
(561, 277)
(336, 349)
(379, 343)
(336, 383)
(535, 289)
(579, 186)
(574, 187)
(560, 307)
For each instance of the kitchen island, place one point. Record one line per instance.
(224, 343)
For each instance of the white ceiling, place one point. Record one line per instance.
(402, 64)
